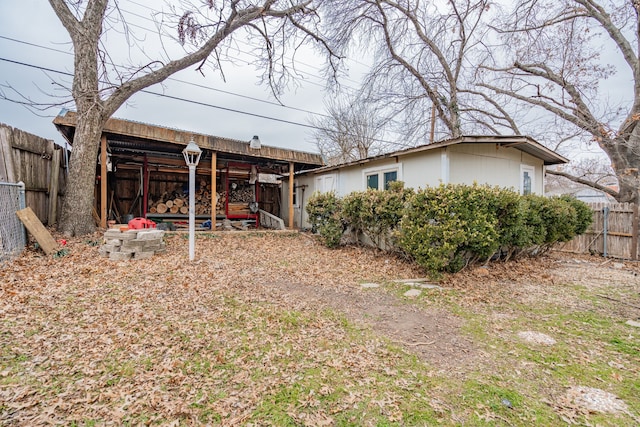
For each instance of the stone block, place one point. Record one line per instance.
(120, 235)
(119, 256)
(152, 245)
(133, 244)
(114, 242)
(150, 234)
(103, 252)
(112, 234)
(110, 248)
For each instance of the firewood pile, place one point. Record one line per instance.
(241, 195)
(178, 203)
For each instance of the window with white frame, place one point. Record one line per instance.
(326, 183)
(380, 178)
(527, 179)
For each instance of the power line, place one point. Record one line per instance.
(51, 70)
(305, 125)
(179, 80)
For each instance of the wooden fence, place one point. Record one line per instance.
(613, 233)
(39, 164)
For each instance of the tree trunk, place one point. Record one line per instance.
(76, 217)
(625, 161)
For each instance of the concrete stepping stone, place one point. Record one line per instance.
(369, 285)
(536, 337)
(413, 293)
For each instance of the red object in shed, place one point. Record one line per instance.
(140, 223)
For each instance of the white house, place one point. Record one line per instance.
(516, 162)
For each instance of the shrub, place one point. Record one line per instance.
(376, 213)
(325, 216)
(447, 227)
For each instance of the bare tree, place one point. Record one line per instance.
(205, 31)
(558, 54)
(425, 55)
(350, 130)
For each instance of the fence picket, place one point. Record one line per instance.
(619, 233)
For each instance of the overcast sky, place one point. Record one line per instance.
(27, 25)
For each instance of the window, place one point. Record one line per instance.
(527, 175)
(379, 178)
(295, 194)
(372, 181)
(389, 177)
(326, 183)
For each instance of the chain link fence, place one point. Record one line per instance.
(13, 236)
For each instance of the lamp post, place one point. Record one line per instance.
(191, 155)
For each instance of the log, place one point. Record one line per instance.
(184, 210)
(178, 202)
(161, 208)
(174, 209)
(153, 210)
(169, 203)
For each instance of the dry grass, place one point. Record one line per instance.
(274, 329)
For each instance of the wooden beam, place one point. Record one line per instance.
(634, 232)
(103, 181)
(54, 186)
(35, 227)
(214, 160)
(145, 187)
(291, 189)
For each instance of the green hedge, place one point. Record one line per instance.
(448, 227)
(376, 214)
(325, 217)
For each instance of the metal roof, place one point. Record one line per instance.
(523, 143)
(125, 136)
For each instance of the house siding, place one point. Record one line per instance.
(464, 163)
(492, 165)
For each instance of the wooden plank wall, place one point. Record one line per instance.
(28, 158)
(620, 238)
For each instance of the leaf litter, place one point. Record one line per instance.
(222, 339)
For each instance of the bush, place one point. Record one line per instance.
(376, 213)
(448, 227)
(325, 216)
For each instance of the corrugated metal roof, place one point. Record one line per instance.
(523, 143)
(135, 136)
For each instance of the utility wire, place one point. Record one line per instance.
(305, 125)
(201, 86)
(51, 70)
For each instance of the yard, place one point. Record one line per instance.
(275, 329)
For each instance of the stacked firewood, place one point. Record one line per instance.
(170, 203)
(178, 202)
(241, 195)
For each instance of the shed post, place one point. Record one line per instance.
(634, 232)
(54, 186)
(291, 175)
(103, 181)
(214, 186)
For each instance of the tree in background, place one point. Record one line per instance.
(425, 58)
(555, 56)
(350, 130)
(204, 31)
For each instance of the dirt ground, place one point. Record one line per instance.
(68, 313)
(434, 333)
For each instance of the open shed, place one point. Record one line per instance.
(141, 172)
